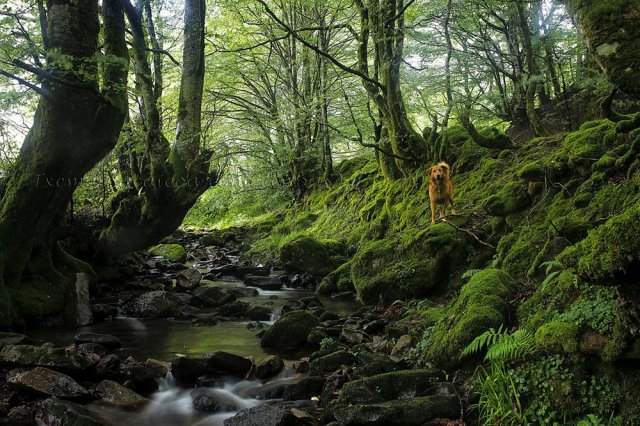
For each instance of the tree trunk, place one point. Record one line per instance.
(177, 175)
(74, 126)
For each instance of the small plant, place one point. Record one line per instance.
(502, 346)
(469, 274)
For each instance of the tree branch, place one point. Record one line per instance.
(39, 90)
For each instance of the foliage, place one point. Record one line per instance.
(500, 401)
(501, 345)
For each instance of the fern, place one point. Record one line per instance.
(502, 346)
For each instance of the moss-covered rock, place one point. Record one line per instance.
(385, 270)
(388, 386)
(557, 336)
(307, 254)
(338, 281)
(290, 331)
(482, 304)
(173, 252)
(34, 356)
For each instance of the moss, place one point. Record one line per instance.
(338, 281)
(483, 303)
(388, 386)
(307, 254)
(532, 172)
(510, 199)
(38, 298)
(173, 252)
(291, 330)
(584, 147)
(557, 336)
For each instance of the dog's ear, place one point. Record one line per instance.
(428, 171)
(446, 167)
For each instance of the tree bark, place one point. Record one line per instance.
(73, 129)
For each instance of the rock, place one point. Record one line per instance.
(224, 270)
(305, 280)
(211, 297)
(188, 278)
(161, 368)
(306, 254)
(417, 411)
(243, 271)
(154, 304)
(173, 252)
(102, 311)
(350, 336)
(212, 240)
(84, 314)
(291, 330)
(56, 412)
(212, 400)
(242, 291)
(375, 327)
(270, 414)
(20, 415)
(332, 385)
(259, 313)
(138, 377)
(44, 381)
(106, 340)
(235, 309)
(187, 370)
(402, 347)
(93, 351)
(338, 281)
(32, 356)
(269, 367)
(592, 342)
(109, 366)
(332, 362)
(13, 339)
(114, 393)
(389, 386)
(227, 363)
(265, 283)
(305, 388)
(329, 316)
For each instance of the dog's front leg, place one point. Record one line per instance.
(433, 211)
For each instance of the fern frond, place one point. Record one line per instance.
(502, 346)
(470, 273)
(485, 340)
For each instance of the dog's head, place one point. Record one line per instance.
(439, 171)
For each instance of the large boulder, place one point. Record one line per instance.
(338, 281)
(307, 254)
(389, 386)
(211, 297)
(115, 394)
(33, 356)
(291, 330)
(47, 382)
(155, 304)
(228, 363)
(188, 278)
(273, 414)
(483, 303)
(106, 340)
(265, 283)
(56, 412)
(173, 252)
(385, 270)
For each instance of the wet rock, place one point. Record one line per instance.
(223, 270)
(305, 388)
(402, 347)
(292, 305)
(417, 411)
(389, 386)
(332, 362)
(227, 363)
(209, 319)
(106, 340)
(270, 414)
(138, 377)
(259, 313)
(210, 381)
(154, 304)
(212, 400)
(109, 366)
(187, 370)
(243, 271)
(291, 330)
(351, 337)
(32, 356)
(265, 283)
(273, 390)
(242, 291)
(44, 381)
(92, 351)
(103, 311)
(332, 385)
(114, 393)
(56, 412)
(20, 415)
(235, 309)
(211, 297)
(13, 339)
(329, 316)
(305, 280)
(161, 368)
(269, 367)
(173, 252)
(188, 278)
(84, 314)
(212, 240)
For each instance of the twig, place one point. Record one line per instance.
(466, 231)
(39, 90)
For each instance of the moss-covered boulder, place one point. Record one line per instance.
(290, 331)
(385, 270)
(482, 304)
(173, 252)
(388, 386)
(35, 356)
(558, 337)
(338, 281)
(307, 254)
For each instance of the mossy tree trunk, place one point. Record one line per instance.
(177, 175)
(77, 122)
(611, 30)
(382, 22)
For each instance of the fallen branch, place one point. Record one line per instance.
(466, 231)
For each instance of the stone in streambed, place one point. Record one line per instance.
(389, 386)
(187, 370)
(265, 283)
(188, 278)
(108, 366)
(236, 309)
(56, 412)
(259, 313)
(32, 356)
(329, 363)
(271, 414)
(242, 272)
(44, 381)
(305, 388)
(106, 340)
(228, 363)
(212, 400)
(269, 367)
(113, 393)
(211, 297)
(291, 330)
(173, 252)
(155, 304)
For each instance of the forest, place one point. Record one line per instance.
(319, 212)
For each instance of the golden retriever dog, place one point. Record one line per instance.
(440, 190)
